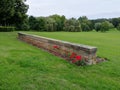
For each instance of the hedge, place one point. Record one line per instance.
(7, 28)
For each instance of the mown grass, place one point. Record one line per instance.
(24, 67)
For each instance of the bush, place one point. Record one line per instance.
(6, 28)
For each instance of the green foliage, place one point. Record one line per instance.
(98, 26)
(32, 23)
(13, 12)
(85, 23)
(24, 26)
(59, 21)
(24, 67)
(85, 27)
(42, 23)
(118, 27)
(115, 21)
(104, 26)
(83, 19)
(72, 25)
(78, 29)
(36, 23)
(6, 28)
(6, 10)
(50, 24)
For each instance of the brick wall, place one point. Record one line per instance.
(68, 51)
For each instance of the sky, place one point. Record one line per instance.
(93, 9)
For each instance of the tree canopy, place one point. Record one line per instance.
(13, 12)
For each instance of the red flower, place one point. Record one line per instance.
(73, 55)
(78, 58)
(55, 46)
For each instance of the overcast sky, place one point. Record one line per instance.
(75, 8)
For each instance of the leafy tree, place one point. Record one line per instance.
(25, 25)
(118, 27)
(105, 26)
(83, 19)
(6, 11)
(63, 19)
(85, 27)
(115, 21)
(72, 25)
(42, 23)
(50, 24)
(85, 23)
(59, 21)
(13, 12)
(32, 23)
(77, 26)
(98, 26)
(93, 22)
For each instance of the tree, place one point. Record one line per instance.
(97, 26)
(85, 27)
(42, 23)
(59, 21)
(85, 23)
(25, 25)
(72, 25)
(50, 24)
(6, 11)
(93, 22)
(37, 23)
(115, 22)
(105, 26)
(32, 23)
(77, 26)
(118, 27)
(83, 19)
(13, 12)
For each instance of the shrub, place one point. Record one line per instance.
(6, 28)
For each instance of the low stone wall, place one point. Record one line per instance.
(69, 51)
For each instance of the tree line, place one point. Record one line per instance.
(61, 23)
(13, 14)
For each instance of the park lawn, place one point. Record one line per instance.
(25, 67)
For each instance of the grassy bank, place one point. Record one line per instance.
(24, 67)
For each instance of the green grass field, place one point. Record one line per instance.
(25, 67)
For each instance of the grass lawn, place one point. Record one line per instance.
(24, 67)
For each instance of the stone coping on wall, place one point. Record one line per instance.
(89, 52)
(91, 48)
